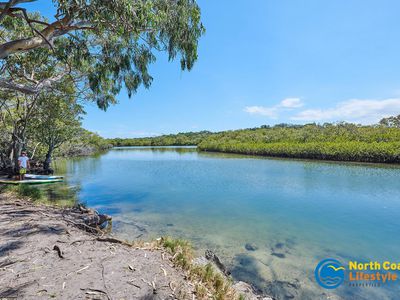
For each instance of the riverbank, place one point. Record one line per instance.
(347, 152)
(45, 253)
(335, 142)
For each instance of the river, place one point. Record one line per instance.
(269, 220)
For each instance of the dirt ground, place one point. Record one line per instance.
(45, 255)
(86, 267)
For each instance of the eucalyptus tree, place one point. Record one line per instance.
(57, 121)
(104, 45)
(393, 122)
(99, 46)
(17, 107)
(15, 111)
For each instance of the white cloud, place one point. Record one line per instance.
(273, 111)
(291, 103)
(261, 110)
(354, 110)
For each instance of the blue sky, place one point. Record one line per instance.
(267, 62)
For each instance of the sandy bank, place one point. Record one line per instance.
(44, 255)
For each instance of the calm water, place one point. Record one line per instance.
(293, 213)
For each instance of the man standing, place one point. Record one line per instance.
(23, 164)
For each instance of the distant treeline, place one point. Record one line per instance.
(180, 139)
(84, 143)
(341, 141)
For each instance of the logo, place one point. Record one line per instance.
(329, 273)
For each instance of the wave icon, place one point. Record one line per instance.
(329, 273)
(330, 280)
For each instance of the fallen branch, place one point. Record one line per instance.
(104, 281)
(58, 251)
(113, 240)
(135, 285)
(84, 268)
(89, 228)
(95, 291)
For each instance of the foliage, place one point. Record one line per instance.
(343, 141)
(90, 51)
(180, 139)
(57, 121)
(40, 120)
(43, 125)
(343, 151)
(84, 143)
(208, 281)
(103, 45)
(391, 122)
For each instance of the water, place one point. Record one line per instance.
(294, 213)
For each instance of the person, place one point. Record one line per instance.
(23, 164)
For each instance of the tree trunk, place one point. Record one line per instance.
(18, 141)
(47, 161)
(17, 146)
(16, 153)
(34, 150)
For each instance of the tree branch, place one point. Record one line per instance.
(34, 30)
(55, 29)
(31, 89)
(5, 6)
(17, 87)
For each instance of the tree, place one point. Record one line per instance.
(57, 121)
(15, 112)
(94, 47)
(391, 122)
(107, 45)
(18, 109)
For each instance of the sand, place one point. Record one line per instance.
(86, 267)
(46, 254)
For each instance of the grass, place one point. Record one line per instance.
(209, 283)
(23, 191)
(37, 195)
(30, 192)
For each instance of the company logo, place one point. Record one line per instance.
(329, 273)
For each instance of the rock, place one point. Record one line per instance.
(250, 247)
(97, 220)
(92, 217)
(280, 255)
(247, 291)
(200, 261)
(211, 256)
(285, 289)
(281, 248)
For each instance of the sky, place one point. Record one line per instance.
(268, 62)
